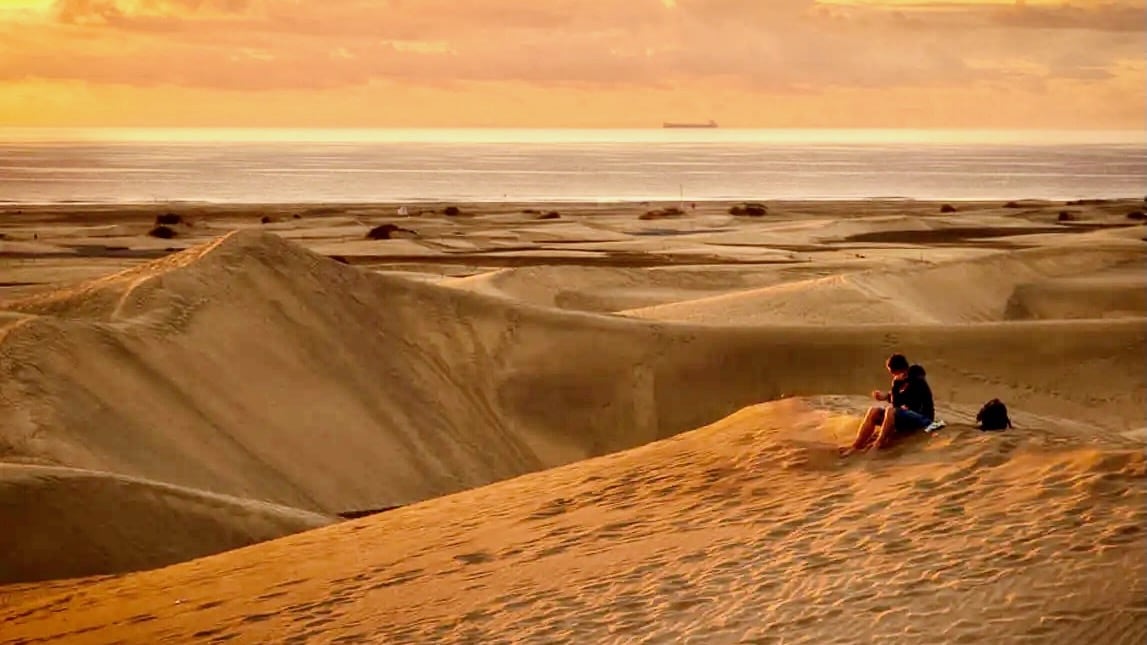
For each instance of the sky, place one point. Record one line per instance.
(1041, 64)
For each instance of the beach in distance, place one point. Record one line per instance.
(567, 420)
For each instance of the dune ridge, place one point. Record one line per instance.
(1009, 285)
(749, 528)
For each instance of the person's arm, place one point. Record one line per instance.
(880, 396)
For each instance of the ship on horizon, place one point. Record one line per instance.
(710, 124)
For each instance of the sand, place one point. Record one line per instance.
(597, 428)
(121, 523)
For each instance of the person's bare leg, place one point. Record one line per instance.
(887, 429)
(864, 432)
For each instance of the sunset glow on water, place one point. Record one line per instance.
(252, 166)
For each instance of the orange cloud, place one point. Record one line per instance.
(759, 51)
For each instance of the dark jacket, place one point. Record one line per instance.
(913, 392)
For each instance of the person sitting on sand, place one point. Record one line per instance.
(911, 407)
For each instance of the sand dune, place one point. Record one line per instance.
(251, 367)
(748, 529)
(249, 387)
(76, 523)
(1031, 283)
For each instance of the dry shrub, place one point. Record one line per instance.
(387, 232)
(663, 213)
(162, 232)
(750, 209)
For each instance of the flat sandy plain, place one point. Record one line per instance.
(589, 427)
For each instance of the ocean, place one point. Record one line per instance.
(293, 166)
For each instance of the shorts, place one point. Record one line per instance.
(906, 420)
(911, 421)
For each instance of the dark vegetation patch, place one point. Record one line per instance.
(662, 213)
(749, 209)
(388, 231)
(163, 232)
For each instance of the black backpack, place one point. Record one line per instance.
(993, 416)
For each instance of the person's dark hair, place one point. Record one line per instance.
(916, 371)
(897, 363)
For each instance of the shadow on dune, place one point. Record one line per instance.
(962, 235)
(68, 523)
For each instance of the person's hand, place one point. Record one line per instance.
(878, 395)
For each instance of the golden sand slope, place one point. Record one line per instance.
(122, 524)
(749, 529)
(252, 367)
(1032, 283)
